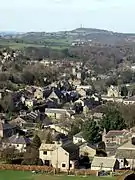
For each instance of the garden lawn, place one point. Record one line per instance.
(20, 175)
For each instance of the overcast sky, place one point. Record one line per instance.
(55, 15)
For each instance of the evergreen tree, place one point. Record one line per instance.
(112, 119)
(91, 131)
(36, 142)
(49, 139)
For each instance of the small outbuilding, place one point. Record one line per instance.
(104, 164)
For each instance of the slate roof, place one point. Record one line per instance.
(64, 125)
(70, 147)
(111, 149)
(127, 151)
(16, 139)
(127, 154)
(86, 145)
(127, 146)
(32, 115)
(49, 147)
(17, 121)
(54, 93)
(47, 121)
(88, 103)
(47, 92)
(60, 137)
(51, 104)
(59, 111)
(6, 126)
(79, 135)
(105, 162)
(114, 133)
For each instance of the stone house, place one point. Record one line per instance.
(59, 113)
(112, 99)
(75, 82)
(126, 155)
(55, 95)
(18, 122)
(81, 92)
(79, 101)
(38, 94)
(74, 71)
(61, 156)
(78, 138)
(29, 103)
(113, 91)
(45, 152)
(78, 75)
(116, 136)
(84, 87)
(6, 129)
(86, 149)
(18, 142)
(60, 128)
(105, 164)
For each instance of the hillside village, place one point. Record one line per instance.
(67, 123)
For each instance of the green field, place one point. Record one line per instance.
(19, 45)
(20, 175)
(52, 43)
(24, 45)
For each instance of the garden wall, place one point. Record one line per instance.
(25, 168)
(44, 169)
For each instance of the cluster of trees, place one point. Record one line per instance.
(125, 111)
(38, 53)
(121, 78)
(31, 74)
(11, 155)
(91, 131)
(102, 58)
(30, 157)
(128, 114)
(112, 120)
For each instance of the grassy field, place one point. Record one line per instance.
(19, 175)
(52, 43)
(24, 45)
(19, 45)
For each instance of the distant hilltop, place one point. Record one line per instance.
(82, 34)
(9, 33)
(77, 30)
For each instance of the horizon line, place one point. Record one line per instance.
(64, 30)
